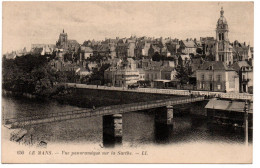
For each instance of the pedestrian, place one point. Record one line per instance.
(94, 107)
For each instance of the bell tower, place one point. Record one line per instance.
(63, 40)
(223, 49)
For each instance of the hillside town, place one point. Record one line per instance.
(209, 63)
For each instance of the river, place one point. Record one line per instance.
(139, 128)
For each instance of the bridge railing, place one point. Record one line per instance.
(45, 115)
(99, 111)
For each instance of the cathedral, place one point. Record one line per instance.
(66, 44)
(223, 48)
(63, 40)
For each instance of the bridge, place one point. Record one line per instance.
(101, 111)
(239, 96)
(112, 116)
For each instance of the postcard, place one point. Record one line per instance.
(127, 82)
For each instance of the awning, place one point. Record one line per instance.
(228, 105)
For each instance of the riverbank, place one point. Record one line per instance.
(18, 94)
(88, 98)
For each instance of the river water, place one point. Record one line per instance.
(139, 128)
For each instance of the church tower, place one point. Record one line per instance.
(223, 49)
(63, 40)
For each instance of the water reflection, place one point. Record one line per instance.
(162, 132)
(138, 127)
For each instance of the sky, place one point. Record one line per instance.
(26, 23)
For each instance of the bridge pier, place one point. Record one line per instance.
(163, 124)
(112, 130)
(165, 116)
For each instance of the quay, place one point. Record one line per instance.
(238, 96)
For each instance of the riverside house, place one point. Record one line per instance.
(218, 77)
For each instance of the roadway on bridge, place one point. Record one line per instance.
(109, 110)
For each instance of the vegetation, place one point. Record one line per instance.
(158, 57)
(98, 74)
(183, 73)
(32, 74)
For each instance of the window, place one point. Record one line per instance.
(202, 85)
(219, 87)
(220, 58)
(219, 78)
(202, 77)
(210, 77)
(244, 77)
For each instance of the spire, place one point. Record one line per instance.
(63, 30)
(222, 11)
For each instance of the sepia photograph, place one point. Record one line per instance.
(127, 82)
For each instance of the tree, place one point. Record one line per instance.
(199, 51)
(29, 74)
(98, 74)
(183, 74)
(158, 57)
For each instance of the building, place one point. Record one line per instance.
(63, 40)
(121, 50)
(57, 64)
(208, 45)
(241, 51)
(123, 75)
(218, 77)
(85, 52)
(66, 44)
(152, 73)
(172, 48)
(131, 48)
(82, 72)
(188, 47)
(15, 54)
(224, 51)
(245, 72)
(38, 51)
(51, 46)
(142, 48)
(168, 73)
(11, 55)
(127, 74)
